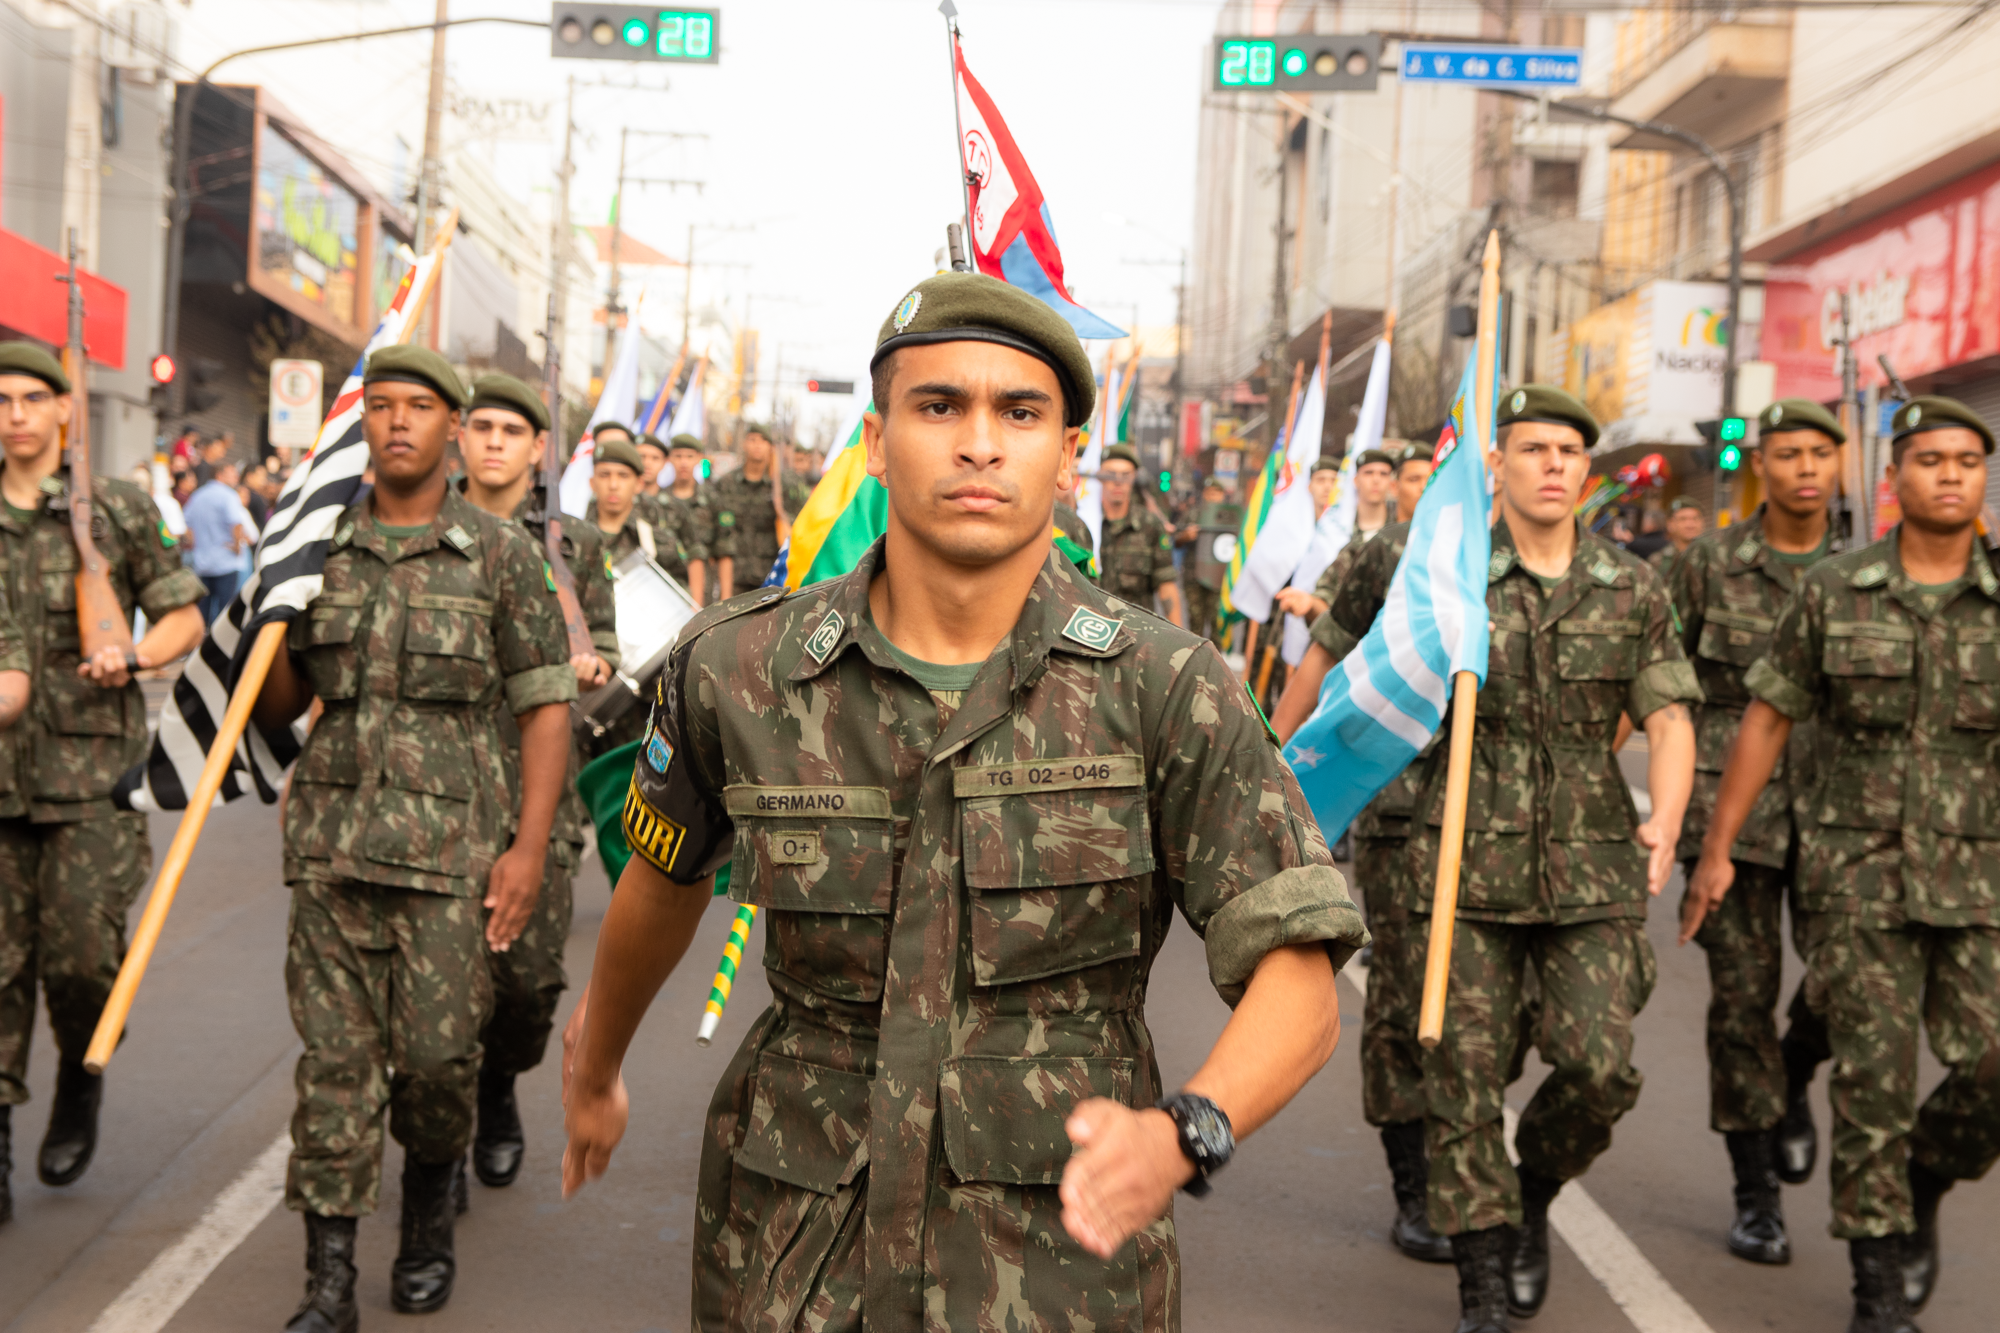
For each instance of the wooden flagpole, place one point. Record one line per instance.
(666, 391)
(173, 866)
(1464, 689)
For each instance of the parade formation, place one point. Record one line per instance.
(1437, 674)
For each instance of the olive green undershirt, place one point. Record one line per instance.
(1934, 597)
(947, 682)
(393, 537)
(1812, 557)
(18, 514)
(1548, 581)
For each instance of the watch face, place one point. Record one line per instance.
(1209, 1130)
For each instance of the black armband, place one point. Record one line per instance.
(669, 819)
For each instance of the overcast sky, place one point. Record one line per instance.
(830, 135)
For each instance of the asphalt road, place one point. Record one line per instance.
(1294, 1237)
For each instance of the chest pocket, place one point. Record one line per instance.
(332, 621)
(447, 647)
(57, 567)
(822, 860)
(1506, 666)
(1978, 703)
(1733, 638)
(1055, 851)
(1871, 667)
(1596, 660)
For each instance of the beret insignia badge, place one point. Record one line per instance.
(1776, 414)
(1520, 399)
(907, 310)
(1916, 414)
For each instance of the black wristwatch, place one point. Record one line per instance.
(1205, 1137)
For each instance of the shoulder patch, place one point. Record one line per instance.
(549, 575)
(167, 540)
(51, 485)
(1497, 566)
(343, 536)
(608, 573)
(725, 519)
(1870, 576)
(460, 538)
(1747, 551)
(1090, 629)
(820, 642)
(1604, 572)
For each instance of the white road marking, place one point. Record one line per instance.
(178, 1271)
(1627, 1276)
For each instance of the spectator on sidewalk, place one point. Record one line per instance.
(220, 529)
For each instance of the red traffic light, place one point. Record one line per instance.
(163, 369)
(812, 386)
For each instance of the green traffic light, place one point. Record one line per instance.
(1166, 482)
(1732, 428)
(635, 32)
(1295, 62)
(1731, 456)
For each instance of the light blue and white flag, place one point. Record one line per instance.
(1383, 702)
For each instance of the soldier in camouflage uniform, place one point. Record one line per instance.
(624, 519)
(70, 863)
(1214, 516)
(502, 442)
(746, 524)
(433, 617)
(685, 513)
(1728, 588)
(1895, 650)
(1684, 524)
(1557, 867)
(652, 461)
(968, 869)
(1136, 559)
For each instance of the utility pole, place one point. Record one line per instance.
(617, 235)
(559, 243)
(1280, 319)
(427, 179)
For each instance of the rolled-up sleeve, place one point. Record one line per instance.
(1665, 676)
(531, 643)
(1245, 861)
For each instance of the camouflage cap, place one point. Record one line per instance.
(1934, 412)
(686, 441)
(26, 358)
(1799, 414)
(1368, 456)
(971, 307)
(511, 395)
(410, 364)
(1681, 502)
(1122, 453)
(648, 440)
(1545, 402)
(616, 450)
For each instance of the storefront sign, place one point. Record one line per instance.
(306, 236)
(1923, 288)
(1649, 366)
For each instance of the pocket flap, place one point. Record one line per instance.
(807, 1125)
(1052, 836)
(1597, 649)
(1868, 649)
(457, 630)
(1003, 1115)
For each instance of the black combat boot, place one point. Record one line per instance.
(1796, 1139)
(1758, 1234)
(425, 1265)
(72, 1135)
(1408, 1171)
(6, 1163)
(329, 1303)
(1481, 1257)
(1920, 1250)
(1879, 1303)
(1528, 1271)
(497, 1148)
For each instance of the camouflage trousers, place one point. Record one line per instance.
(1202, 605)
(1595, 978)
(528, 979)
(389, 989)
(1392, 1063)
(1744, 941)
(64, 892)
(1875, 986)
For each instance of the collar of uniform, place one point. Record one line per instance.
(455, 512)
(55, 487)
(1592, 555)
(1746, 546)
(1885, 570)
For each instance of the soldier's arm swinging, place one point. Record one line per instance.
(1301, 694)
(1127, 1164)
(1753, 757)
(173, 636)
(646, 931)
(1170, 603)
(516, 877)
(1669, 781)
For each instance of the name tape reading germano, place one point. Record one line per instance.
(825, 802)
(1068, 774)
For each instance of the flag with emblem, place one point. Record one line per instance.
(1383, 702)
(291, 556)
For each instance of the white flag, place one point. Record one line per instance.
(619, 402)
(1288, 525)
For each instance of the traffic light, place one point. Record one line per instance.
(829, 386)
(1301, 63)
(635, 32)
(161, 394)
(1725, 436)
(1166, 482)
(201, 391)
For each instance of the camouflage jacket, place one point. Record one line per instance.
(61, 760)
(964, 905)
(746, 526)
(1071, 525)
(1728, 589)
(1549, 822)
(413, 661)
(1902, 821)
(590, 567)
(1136, 557)
(1389, 814)
(1661, 562)
(690, 520)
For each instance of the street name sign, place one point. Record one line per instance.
(1493, 66)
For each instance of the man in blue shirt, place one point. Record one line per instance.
(220, 530)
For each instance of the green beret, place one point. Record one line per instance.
(758, 428)
(1325, 464)
(1122, 453)
(1799, 414)
(971, 307)
(1412, 452)
(510, 395)
(1366, 457)
(1932, 412)
(25, 358)
(598, 430)
(1684, 502)
(1545, 402)
(685, 441)
(411, 364)
(648, 438)
(617, 450)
